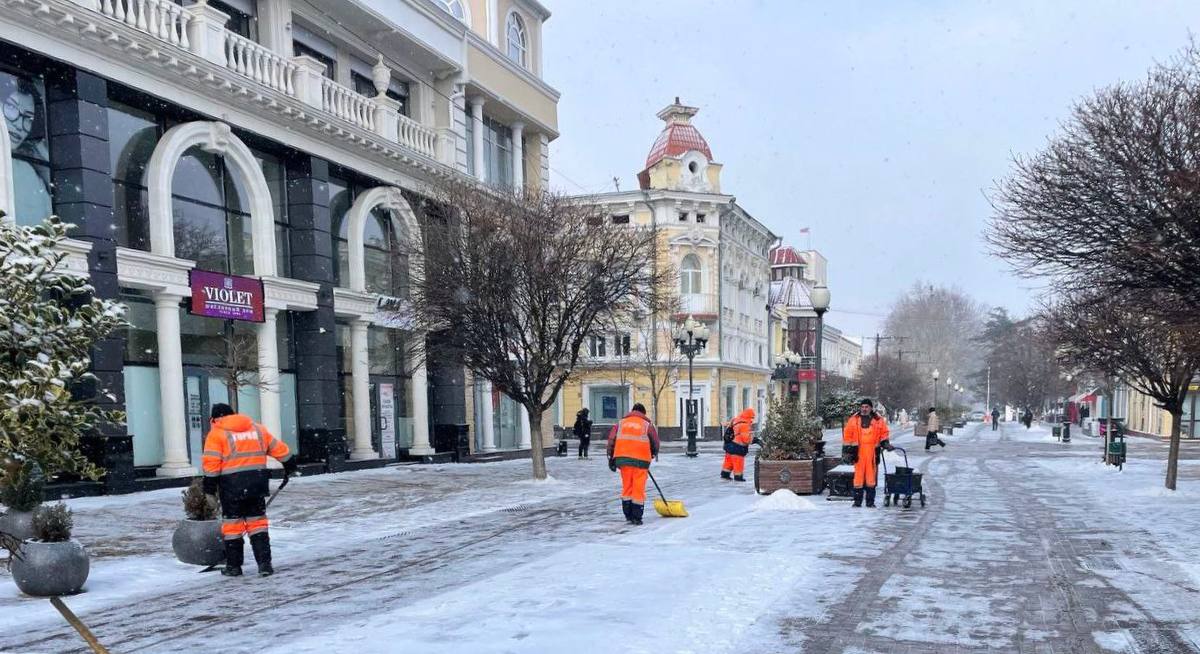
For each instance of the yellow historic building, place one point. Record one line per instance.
(720, 253)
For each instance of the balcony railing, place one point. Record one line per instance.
(197, 30)
(161, 19)
(347, 105)
(259, 63)
(698, 304)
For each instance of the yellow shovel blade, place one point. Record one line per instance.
(670, 508)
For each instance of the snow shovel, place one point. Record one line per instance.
(667, 508)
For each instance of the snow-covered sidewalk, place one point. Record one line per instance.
(1026, 545)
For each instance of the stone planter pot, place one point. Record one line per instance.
(49, 569)
(803, 477)
(18, 524)
(198, 542)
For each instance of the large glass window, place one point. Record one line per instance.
(517, 44)
(454, 8)
(132, 135)
(141, 339)
(689, 275)
(497, 150)
(23, 104)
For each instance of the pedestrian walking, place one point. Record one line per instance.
(866, 433)
(632, 443)
(931, 430)
(738, 446)
(995, 418)
(1027, 419)
(583, 431)
(235, 466)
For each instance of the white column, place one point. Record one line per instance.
(518, 155)
(275, 25)
(487, 423)
(271, 414)
(477, 136)
(420, 412)
(360, 385)
(170, 388)
(526, 432)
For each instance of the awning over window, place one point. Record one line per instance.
(1084, 398)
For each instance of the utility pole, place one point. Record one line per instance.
(987, 407)
(878, 337)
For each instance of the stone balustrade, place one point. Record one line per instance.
(199, 28)
(161, 19)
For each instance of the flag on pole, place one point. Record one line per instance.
(803, 230)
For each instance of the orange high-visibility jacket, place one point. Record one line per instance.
(236, 451)
(633, 441)
(743, 427)
(866, 439)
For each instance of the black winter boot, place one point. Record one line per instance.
(870, 497)
(636, 510)
(858, 498)
(234, 556)
(627, 509)
(260, 543)
(739, 478)
(725, 474)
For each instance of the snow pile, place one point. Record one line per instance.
(548, 481)
(784, 500)
(1111, 641)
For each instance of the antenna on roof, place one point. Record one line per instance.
(617, 183)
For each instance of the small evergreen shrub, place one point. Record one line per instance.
(197, 505)
(53, 523)
(21, 485)
(791, 432)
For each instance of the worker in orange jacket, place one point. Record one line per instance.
(632, 442)
(235, 464)
(737, 446)
(866, 433)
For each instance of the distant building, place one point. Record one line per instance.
(720, 252)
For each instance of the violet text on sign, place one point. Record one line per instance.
(229, 297)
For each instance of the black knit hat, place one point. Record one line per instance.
(221, 410)
(867, 400)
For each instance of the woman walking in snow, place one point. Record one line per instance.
(931, 430)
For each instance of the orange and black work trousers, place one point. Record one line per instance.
(633, 484)
(734, 463)
(241, 518)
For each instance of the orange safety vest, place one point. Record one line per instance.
(867, 439)
(632, 446)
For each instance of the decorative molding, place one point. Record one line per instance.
(153, 272)
(354, 304)
(75, 263)
(290, 294)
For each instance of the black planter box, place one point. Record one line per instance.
(114, 453)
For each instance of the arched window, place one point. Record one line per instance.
(212, 214)
(385, 262)
(689, 275)
(455, 8)
(517, 45)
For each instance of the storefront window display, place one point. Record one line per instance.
(23, 109)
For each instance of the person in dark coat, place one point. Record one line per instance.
(583, 431)
(995, 418)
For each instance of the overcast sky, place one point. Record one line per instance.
(880, 125)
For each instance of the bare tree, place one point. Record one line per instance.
(238, 368)
(519, 280)
(899, 384)
(657, 358)
(941, 323)
(1021, 360)
(1113, 201)
(1111, 335)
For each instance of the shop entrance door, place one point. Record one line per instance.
(197, 406)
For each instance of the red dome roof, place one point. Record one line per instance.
(787, 256)
(676, 139)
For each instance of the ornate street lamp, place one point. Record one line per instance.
(936, 374)
(820, 303)
(691, 337)
(786, 365)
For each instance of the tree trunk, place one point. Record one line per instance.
(232, 390)
(1173, 452)
(538, 452)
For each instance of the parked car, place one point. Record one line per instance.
(977, 416)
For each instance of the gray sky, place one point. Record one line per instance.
(880, 125)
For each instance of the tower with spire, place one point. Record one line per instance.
(680, 159)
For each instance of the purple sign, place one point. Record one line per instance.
(229, 297)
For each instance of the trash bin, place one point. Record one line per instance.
(1066, 432)
(1057, 429)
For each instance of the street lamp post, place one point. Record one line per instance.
(820, 302)
(691, 337)
(786, 365)
(936, 374)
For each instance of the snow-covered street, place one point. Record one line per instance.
(1027, 545)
